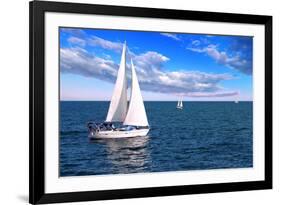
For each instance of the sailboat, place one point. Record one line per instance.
(236, 100)
(180, 105)
(132, 116)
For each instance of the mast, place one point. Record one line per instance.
(118, 104)
(136, 114)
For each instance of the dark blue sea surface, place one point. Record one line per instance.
(204, 135)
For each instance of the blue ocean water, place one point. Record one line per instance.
(204, 135)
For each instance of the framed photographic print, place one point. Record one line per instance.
(140, 102)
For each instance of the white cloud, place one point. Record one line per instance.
(183, 81)
(173, 36)
(223, 58)
(79, 61)
(109, 45)
(77, 41)
(196, 42)
(73, 31)
(150, 60)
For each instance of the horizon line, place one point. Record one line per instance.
(161, 100)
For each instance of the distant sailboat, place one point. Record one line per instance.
(132, 117)
(236, 100)
(180, 105)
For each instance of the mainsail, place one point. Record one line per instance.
(136, 114)
(118, 105)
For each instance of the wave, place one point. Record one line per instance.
(243, 128)
(72, 132)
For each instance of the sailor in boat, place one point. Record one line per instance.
(123, 120)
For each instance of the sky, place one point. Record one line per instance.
(169, 66)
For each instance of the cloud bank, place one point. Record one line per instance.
(235, 61)
(216, 94)
(149, 66)
(105, 44)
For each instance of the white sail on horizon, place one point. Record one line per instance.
(181, 105)
(118, 104)
(237, 98)
(136, 114)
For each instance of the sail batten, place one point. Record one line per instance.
(118, 104)
(136, 114)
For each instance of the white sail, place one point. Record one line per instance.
(237, 98)
(178, 104)
(136, 114)
(181, 105)
(118, 105)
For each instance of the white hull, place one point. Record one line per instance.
(118, 134)
(180, 108)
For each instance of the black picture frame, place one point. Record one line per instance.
(37, 9)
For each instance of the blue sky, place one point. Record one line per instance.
(197, 67)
